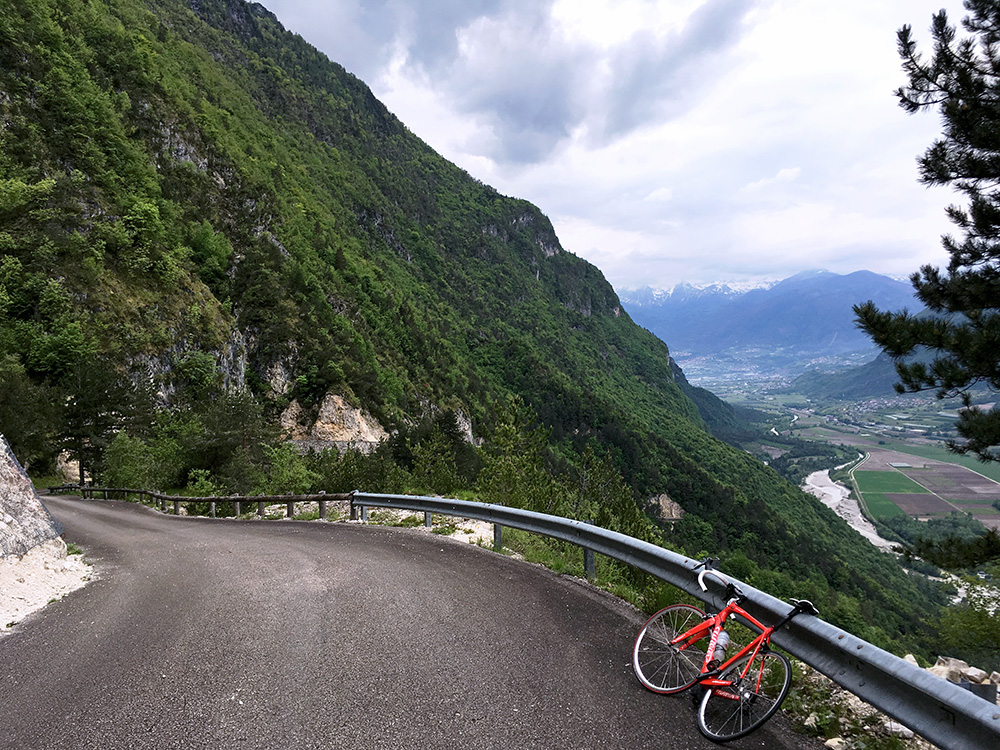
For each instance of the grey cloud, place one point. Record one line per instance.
(545, 85)
(431, 27)
(654, 78)
(361, 35)
(531, 85)
(527, 86)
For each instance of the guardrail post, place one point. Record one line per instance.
(497, 537)
(211, 508)
(290, 510)
(588, 563)
(260, 508)
(428, 520)
(237, 504)
(322, 510)
(364, 514)
(177, 507)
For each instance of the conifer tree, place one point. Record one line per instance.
(961, 329)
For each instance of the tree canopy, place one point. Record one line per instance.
(957, 338)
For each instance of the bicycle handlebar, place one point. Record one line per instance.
(714, 574)
(732, 590)
(800, 606)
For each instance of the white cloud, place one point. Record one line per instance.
(660, 195)
(783, 176)
(697, 140)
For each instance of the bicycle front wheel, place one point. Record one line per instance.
(661, 665)
(734, 711)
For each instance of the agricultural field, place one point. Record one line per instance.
(893, 483)
(908, 469)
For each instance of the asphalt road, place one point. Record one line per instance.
(201, 633)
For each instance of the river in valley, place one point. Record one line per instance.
(838, 498)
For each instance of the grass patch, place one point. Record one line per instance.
(885, 481)
(880, 506)
(447, 528)
(42, 484)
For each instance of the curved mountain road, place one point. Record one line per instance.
(201, 633)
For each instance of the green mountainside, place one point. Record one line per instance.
(196, 202)
(873, 379)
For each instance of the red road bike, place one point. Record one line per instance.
(676, 650)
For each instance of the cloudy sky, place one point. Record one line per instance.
(668, 140)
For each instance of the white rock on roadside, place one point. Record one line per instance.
(898, 730)
(30, 582)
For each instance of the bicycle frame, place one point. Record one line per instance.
(739, 694)
(716, 623)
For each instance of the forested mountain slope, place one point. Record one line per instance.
(193, 197)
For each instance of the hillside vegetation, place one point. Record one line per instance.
(202, 219)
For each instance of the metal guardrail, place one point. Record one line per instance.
(940, 711)
(936, 709)
(235, 500)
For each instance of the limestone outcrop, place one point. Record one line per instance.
(24, 521)
(668, 508)
(336, 425)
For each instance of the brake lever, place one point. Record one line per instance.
(709, 563)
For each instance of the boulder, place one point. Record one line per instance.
(951, 663)
(948, 668)
(898, 730)
(976, 675)
(945, 673)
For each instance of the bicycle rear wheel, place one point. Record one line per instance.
(730, 712)
(661, 666)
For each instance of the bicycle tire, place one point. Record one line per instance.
(661, 667)
(726, 714)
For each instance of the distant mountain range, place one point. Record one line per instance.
(785, 328)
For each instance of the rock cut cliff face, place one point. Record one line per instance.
(337, 425)
(24, 521)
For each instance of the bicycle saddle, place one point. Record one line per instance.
(805, 606)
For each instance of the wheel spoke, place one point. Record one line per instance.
(660, 665)
(730, 712)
